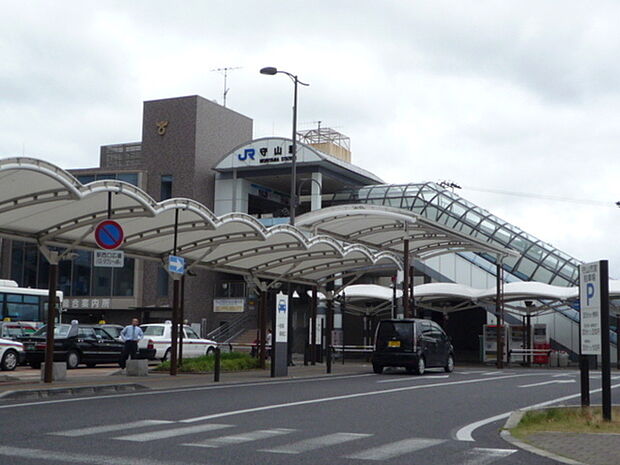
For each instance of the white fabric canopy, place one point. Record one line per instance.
(40, 202)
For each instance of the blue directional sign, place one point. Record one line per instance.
(176, 264)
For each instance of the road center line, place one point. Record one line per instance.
(187, 389)
(343, 397)
(411, 378)
(465, 433)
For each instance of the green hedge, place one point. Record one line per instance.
(231, 361)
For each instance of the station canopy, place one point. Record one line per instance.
(518, 297)
(42, 203)
(386, 228)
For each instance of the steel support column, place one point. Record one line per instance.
(262, 336)
(406, 279)
(51, 319)
(328, 333)
(313, 303)
(499, 315)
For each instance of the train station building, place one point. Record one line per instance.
(193, 148)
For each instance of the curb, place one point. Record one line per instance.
(513, 420)
(31, 394)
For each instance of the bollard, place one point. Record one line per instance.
(218, 362)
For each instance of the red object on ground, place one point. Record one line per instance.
(542, 359)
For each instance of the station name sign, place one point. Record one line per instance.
(265, 154)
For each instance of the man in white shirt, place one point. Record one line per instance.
(130, 335)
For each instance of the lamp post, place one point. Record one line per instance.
(270, 70)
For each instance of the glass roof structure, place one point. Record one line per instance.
(539, 261)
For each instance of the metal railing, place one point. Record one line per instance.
(231, 330)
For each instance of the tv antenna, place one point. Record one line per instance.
(225, 71)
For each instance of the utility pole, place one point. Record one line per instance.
(225, 72)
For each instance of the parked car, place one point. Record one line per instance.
(159, 335)
(16, 329)
(78, 344)
(11, 354)
(414, 344)
(113, 330)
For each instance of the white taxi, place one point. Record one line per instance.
(158, 336)
(11, 354)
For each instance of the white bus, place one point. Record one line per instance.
(25, 304)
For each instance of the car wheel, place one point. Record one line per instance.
(377, 368)
(73, 359)
(421, 367)
(210, 351)
(166, 356)
(449, 368)
(35, 365)
(9, 360)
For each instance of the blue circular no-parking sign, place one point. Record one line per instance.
(109, 235)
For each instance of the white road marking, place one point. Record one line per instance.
(316, 443)
(109, 428)
(241, 438)
(564, 374)
(46, 456)
(484, 456)
(411, 378)
(395, 449)
(555, 381)
(343, 397)
(188, 389)
(465, 433)
(171, 433)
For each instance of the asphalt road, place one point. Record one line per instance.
(391, 418)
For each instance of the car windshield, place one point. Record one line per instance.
(153, 330)
(113, 330)
(59, 331)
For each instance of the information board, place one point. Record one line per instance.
(590, 302)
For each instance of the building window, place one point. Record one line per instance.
(131, 178)
(76, 277)
(162, 283)
(166, 187)
(123, 279)
(228, 289)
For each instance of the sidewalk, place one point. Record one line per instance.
(26, 384)
(592, 449)
(569, 448)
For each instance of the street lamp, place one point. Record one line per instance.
(270, 70)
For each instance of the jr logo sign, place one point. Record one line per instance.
(247, 153)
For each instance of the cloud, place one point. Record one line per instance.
(501, 96)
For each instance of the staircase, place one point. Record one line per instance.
(244, 323)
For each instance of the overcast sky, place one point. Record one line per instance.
(516, 96)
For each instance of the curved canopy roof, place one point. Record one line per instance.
(462, 297)
(386, 228)
(40, 202)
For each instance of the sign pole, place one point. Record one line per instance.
(594, 328)
(605, 355)
(279, 337)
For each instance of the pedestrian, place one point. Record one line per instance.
(130, 335)
(268, 343)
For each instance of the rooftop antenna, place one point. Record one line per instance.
(225, 72)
